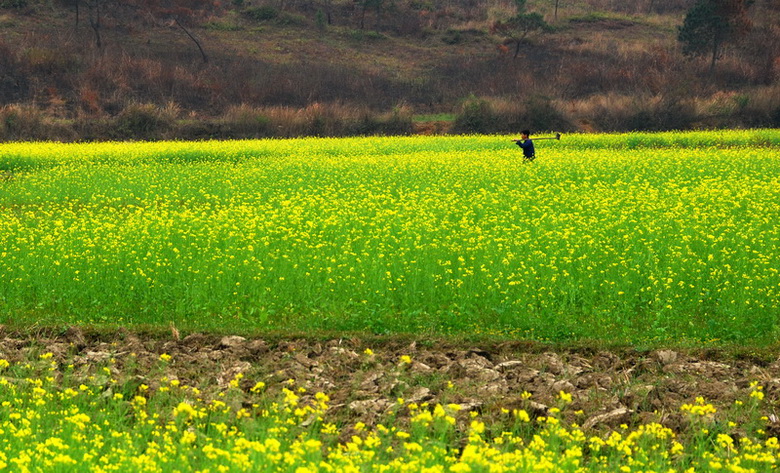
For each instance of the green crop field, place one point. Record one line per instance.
(656, 240)
(637, 237)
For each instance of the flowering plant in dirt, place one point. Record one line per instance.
(54, 420)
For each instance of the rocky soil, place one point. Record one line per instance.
(365, 378)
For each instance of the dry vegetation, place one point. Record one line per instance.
(313, 68)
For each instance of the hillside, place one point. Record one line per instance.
(107, 69)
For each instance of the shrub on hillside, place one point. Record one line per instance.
(13, 3)
(452, 36)
(669, 112)
(19, 122)
(504, 115)
(614, 112)
(264, 13)
(476, 116)
(544, 114)
(758, 109)
(335, 119)
(398, 122)
(509, 115)
(25, 123)
(245, 121)
(87, 128)
(144, 121)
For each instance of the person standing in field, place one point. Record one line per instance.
(525, 142)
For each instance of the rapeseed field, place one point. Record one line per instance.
(629, 238)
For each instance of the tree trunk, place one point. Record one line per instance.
(715, 51)
(95, 23)
(197, 43)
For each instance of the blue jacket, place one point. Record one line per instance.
(528, 148)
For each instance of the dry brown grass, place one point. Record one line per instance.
(602, 70)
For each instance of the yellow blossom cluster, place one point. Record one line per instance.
(699, 408)
(48, 425)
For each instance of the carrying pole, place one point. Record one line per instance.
(556, 137)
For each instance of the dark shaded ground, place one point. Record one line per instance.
(609, 387)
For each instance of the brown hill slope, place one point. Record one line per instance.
(274, 66)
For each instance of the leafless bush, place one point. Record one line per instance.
(14, 80)
(318, 119)
(337, 120)
(613, 112)
(246, 121)
(21, 122)
(25, 123)
(759, 54)
(756, 108)
(492, 115)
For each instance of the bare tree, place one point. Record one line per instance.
(181, 14)
(94, 21)
(193, 38)
(76, 5)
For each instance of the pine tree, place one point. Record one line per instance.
(710, 24)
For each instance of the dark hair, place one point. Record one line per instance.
(525, 132)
